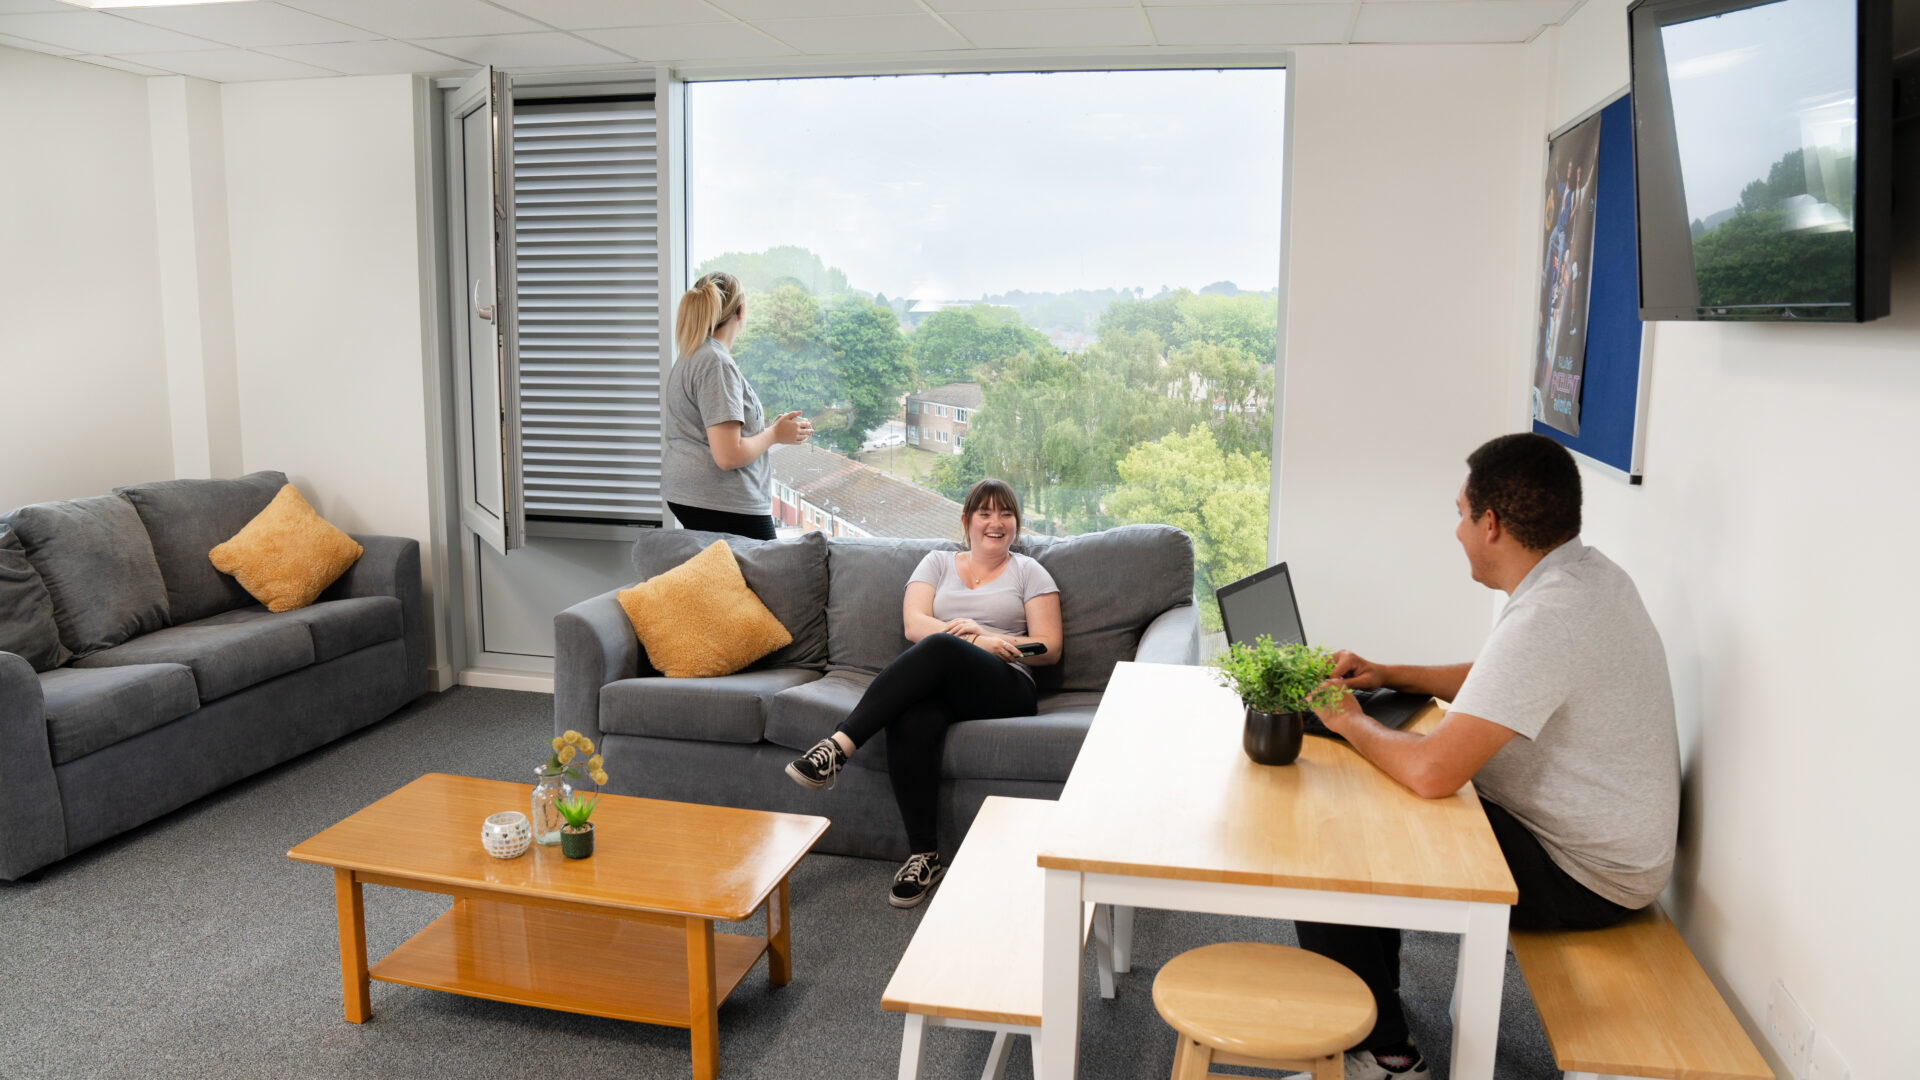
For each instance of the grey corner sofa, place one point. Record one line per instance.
(135, 678)
(1125, 594)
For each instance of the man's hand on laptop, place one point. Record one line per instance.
(1344, 714)
(1356, 672)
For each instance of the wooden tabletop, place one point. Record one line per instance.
(1162, 789)
(649, 855)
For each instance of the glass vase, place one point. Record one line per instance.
(547, 820)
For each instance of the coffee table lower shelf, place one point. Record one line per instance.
(575, 961)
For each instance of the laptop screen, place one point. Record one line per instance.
(1261, 604)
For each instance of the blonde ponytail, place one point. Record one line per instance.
(706, 307)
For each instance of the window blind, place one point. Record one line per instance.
(586, 201)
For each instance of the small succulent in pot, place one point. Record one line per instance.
(576, 836)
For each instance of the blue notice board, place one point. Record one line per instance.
(1612, 397)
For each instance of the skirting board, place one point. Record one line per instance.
(496, 679)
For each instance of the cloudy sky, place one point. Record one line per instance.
(948, 187)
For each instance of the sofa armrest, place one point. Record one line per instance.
(1173, 637)
(593, 645)
(33, 827)
(390, 566)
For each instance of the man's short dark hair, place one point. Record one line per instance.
(1531, 484)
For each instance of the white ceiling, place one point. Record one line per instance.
(299, 39)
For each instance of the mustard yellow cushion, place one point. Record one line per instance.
(699, 619)
(287, 555)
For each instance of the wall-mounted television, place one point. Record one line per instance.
(1763, 144)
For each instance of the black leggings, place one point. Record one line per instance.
(751, 526)
(1550, 899)
(939, 681)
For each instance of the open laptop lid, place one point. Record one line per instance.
(1262, 603)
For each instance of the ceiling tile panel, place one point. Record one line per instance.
(21, 7)
(123, 65)
(1275, 24)
(1457, 21)
(944, 6)
(421, 18)
(38, 46)
(711, 41)
(588, 14)
(370, 58)
(865, 34)
(1089, 29)
(229, 65)
(249, 26)
(97, 32)
(757, 10)
(550, 49)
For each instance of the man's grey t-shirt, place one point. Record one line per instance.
(999, 606)
(1576, 668)
(705, 388)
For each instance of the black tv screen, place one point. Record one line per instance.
(1762, 147)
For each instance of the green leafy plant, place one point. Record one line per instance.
(577, 809)
(1279, 678)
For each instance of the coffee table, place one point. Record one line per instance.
(627, 933)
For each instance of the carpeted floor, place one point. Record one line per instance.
(193, 947)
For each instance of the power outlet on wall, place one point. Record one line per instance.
(1827, 1064)
(1789, 1029)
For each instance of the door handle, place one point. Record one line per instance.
(483, 312)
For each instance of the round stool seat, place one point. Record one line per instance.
(1264, 1001)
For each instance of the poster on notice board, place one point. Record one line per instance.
(1560, 358)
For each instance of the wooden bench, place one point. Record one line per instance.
(974, 961)
(1632, 1001)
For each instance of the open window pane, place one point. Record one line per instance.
(1065, 280)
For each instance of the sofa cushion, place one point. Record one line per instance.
(731, 708)
(869, 578)
(789, 577)
(94, 557)
(225, 657)
(288, 554)
(91, 709)
(27, 628)
(185, 519)
(338, 627)
(802, 716)
(1112, 584)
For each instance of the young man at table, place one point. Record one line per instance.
(1564, 724)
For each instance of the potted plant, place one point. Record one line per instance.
(1279, 685)
(576, 836)
(556, 783)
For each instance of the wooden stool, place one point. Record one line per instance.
(1264, 1006)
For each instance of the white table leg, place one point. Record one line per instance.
(997, 1057)
(1057, 1055)
(1122, 938)
(1103, 947)
(913, 1047)
(1476, 991)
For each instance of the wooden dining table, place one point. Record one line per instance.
(1163, 809)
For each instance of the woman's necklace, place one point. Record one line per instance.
(972, 575)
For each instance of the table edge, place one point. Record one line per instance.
(1507, 897)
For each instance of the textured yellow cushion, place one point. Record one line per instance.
(287, 555)
(699, 619)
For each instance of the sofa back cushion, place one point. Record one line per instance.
(27, 628)
(186, 519)
(1112, 584)
(869, 578)
(789, 576)
(98, 567)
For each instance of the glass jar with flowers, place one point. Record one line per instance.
(555, 783)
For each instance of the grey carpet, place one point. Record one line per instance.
(193, 947)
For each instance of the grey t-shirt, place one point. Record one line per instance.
(705, 388)
(1575, 667)
(999, 606)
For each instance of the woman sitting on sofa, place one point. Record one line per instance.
(968, 613)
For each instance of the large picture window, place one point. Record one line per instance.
(1079, 268)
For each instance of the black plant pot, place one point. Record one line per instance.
(576, 845)
(1273, 738)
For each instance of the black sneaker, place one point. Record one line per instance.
(1365, 1065)
(817, 767)
(916, 879)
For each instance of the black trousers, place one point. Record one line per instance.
(940, 681)
(751, 526)
(1550, 899)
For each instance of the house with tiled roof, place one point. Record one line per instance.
(819, 489)
(937, 419)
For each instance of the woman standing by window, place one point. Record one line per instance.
(714, 465)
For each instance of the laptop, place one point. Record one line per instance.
(1264, 604)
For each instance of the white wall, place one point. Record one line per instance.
(82, 367)
(331, 327)
(1402, 315)
(1773, 543)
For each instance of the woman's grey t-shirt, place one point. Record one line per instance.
(999, 606)
(704, 388)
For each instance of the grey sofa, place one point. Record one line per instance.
(135, 678)
(1125, 594)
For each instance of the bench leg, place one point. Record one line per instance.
(1122, 938)
(997, 1057)
(1103, 947)
(913, 1046)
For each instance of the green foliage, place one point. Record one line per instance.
(1754, 257)
(1246, 321)
(1279, 678)
(577, 809)
(870, 355)
(951, 344)
(783, 352)
(1219, 498)
(762, 272)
